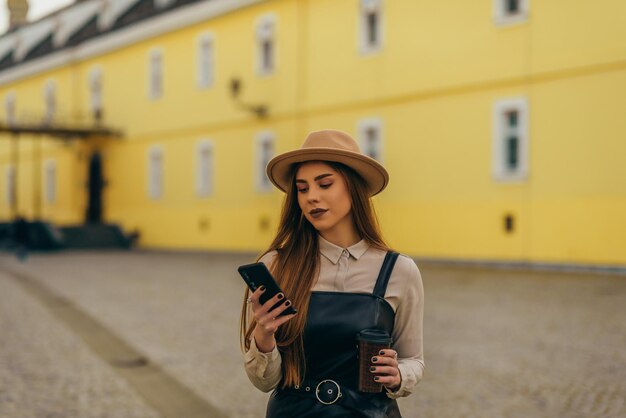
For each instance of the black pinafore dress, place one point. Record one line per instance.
(330, 385)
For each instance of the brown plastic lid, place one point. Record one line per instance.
(375, 336)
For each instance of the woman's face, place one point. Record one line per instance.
(323, 196)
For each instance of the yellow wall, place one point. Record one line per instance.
(30, 107)
(433, 86)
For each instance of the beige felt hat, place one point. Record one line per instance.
(329, 145)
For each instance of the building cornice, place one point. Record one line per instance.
(141, 31)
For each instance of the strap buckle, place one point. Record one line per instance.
(329, 393)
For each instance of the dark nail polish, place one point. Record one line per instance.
(280, 296)
(382, 353)
(372, 369)
(262, 287)
(376, 378)
(288, 303)
(374, 359)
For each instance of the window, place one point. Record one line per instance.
(507, 12)
(50, 173)
(155, 172)
(10, 185)
(155, 74)
(266, 48)
(511, 6)
(205, 61)
(370, 26)
(369, 133)
(95, 91)
(510, 140)
(264, 153)
(9, 108)
(49, 93)
(204, 169)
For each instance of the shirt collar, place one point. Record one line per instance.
(333, 252)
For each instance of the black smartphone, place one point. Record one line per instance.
(257, 274)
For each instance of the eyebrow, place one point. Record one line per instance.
(321, 176)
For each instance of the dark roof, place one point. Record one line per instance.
(42, 48)
(140, 11)
(7, 61)
(87, 31)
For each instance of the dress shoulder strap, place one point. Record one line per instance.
(385, 273)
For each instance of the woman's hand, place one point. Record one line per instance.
(386, 366)
(267, 321)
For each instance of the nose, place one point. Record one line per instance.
(312, 196)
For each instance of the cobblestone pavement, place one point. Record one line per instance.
(498, 343)
(45, 371)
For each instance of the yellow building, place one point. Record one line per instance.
(501, 122)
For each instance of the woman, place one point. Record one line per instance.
(327, 258)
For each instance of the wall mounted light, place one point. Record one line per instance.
(260, 111)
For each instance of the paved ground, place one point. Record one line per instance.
(46, 371)
(498, 343)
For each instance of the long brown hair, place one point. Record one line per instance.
(296, 265)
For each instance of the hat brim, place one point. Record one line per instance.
(374, 174)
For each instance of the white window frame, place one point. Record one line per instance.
(10, 180)
(205, 60)
(363, 127)
(499, 165)
(205, 170)
(156, 79)
(9, 107)
(95, 90)
(50, 181)
(262, 182)
(365, 8)
(266, 31)
(502, 18)
(50, 100)
(156, 179)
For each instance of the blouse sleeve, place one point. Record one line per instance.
(263, 369)
(408, 333)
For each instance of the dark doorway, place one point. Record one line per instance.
(95, 185)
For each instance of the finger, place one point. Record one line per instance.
(279, 309)
(272, 324)
(384, 361)
(273, 301)
(254, 303)
(391, 381)
(385, 370)
(254, 297)
(276, 311)
(388, 352)
(281, 320)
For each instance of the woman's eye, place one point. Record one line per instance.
(301, 190)
(325, 186)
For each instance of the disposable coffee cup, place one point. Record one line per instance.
(370, 342)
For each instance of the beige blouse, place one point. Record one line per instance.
(355, 269)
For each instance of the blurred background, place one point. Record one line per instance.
(147, 125)
(502, 126)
